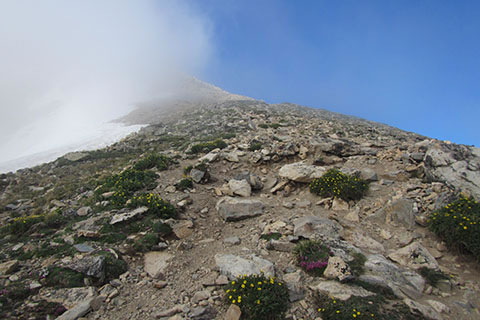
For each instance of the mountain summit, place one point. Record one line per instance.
(226, 207)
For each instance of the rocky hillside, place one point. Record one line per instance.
(157, 226)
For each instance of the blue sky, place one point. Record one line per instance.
(414, 65)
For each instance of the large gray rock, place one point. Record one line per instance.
(403, 282)
(294, 284)
(400, 211)
(231, 209)
(209, 157)
(337, 269)
(78, 311)
(456, 165)
(365, 242)
(340, 291)
(120, 217)
(83, 211)
(368, 174)
(427, 311)
(313, 227)
(92, 266)
(240, 187)
(155, 263)
(233, 266)
(251, 178)
(301, 172)
(8, 267)
(75, 156)
(414, 256)
(233, 312)
(197, 175)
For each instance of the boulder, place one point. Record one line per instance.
(368, 174)
(301, 172)
(456, 165)
(78, 311)
(231, 156)
(400, 211)
(231, 209)
(337, 269)
(233, 312)
(209, 157)
(75, 156)
(120, 217)
(92, 266)
(414, 256)
(313, 227)
(8, 267)
(83, 211)
(240, 187)
(294, 284)
(403, 282)
(197, 175)
(340, 291)
(251, 178)
(366, 242)
(233, 266)
(427, 311)
(155, 263)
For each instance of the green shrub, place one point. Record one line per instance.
(125, 184)
(334, 183)
(187, 169)
(312, 256)
(184, 184)
(458, 224)
(208, 146)
(432, 276)
(46, 250)
(54, 220)
(129, 181)
(271, 235)
(255, 146)
(258, 297)
(161, 162)
(162, 229)
(146, 242)
(263, 125)
(21, 225)
(113, 267)
(155, 204)
(357, 264)
(63, 278)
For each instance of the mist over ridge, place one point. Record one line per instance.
(68, 67)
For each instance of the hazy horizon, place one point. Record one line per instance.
(69, 66)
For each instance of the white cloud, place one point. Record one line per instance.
(67, 65)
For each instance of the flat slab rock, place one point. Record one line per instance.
(403, 282)
(414, 256)
(340, 291)
(301, 172)
(128, 215)
(155, 263)
(78, 311)
(231, 209)
(233, 266)
(314, 227)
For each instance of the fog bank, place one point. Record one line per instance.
(66, 67)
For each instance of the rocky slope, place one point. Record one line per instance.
(255, 186)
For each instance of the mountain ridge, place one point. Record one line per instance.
(158, 224)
